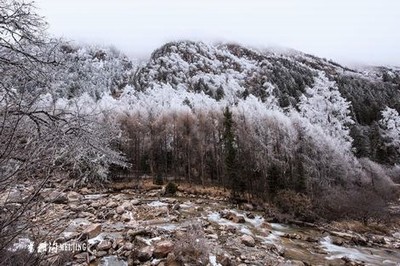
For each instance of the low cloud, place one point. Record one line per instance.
(346, 31)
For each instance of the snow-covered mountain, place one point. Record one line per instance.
(346, 102)
(229, 73)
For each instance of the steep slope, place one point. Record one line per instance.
(194, 75)
(231, 72)
(236, 71)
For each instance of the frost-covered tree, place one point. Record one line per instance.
(323, 105)
(95, 70)
(39, 136)
(390, 123)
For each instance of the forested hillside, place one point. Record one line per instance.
(255, 121)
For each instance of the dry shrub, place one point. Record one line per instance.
(170, 189)
(191, 247)
(359, 227)
(379, 180)
(20, 257)
(297, 204)
(394, 173)
(359, 204)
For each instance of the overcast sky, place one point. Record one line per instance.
(348, 31)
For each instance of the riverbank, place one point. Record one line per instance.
(134, 224)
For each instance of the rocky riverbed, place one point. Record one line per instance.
(141, 227)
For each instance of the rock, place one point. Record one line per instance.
(74, 196)
(127, 206)
(128, 246)
(120, 210)
(280, 250)
(248, 240)
(240, 220)
(57, 197)
(81, 256)
(224, 260)
(145, 254)
(294, 236)
(297, 254)
(213, 236)
(247, 207)
(112, 204)
(231, 229)
(266, 225)
(157, 262)
(85, 191)
(172, 260)
(311, 239)
(114, 245)
(296, 263)
(135, 202)
(13, 195)
(91, 231)
(112, 260)
(126, 217)
(250, 215)
(143, 232)
(346, 259)
(235, 218)
(96, 204)
(359, 240)
(396, 235)
(337, 241)
(132, 261)
(77, 207)
(161, 249)
(379, 240)
(101, 253)
(104, 245)
(128, 253)
(162, 211)
(85, 215)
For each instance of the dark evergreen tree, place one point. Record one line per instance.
(230, 149)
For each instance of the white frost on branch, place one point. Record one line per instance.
(390, 123)
(324, 105)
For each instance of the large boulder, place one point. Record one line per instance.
(235, 218)
(104, 245)
(163, 248)
(248, 240)
(145, 254)
(91, 231)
